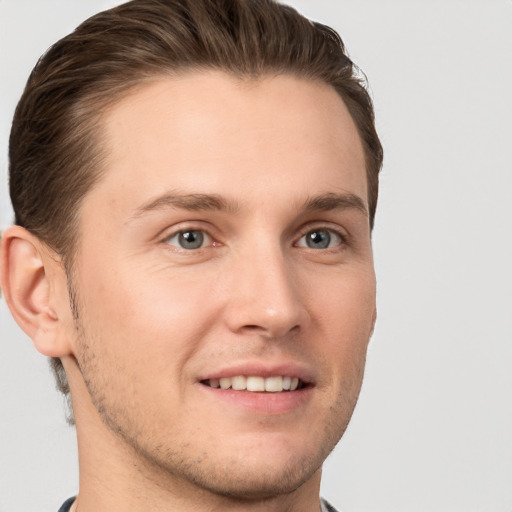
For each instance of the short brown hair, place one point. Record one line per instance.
(55, 151)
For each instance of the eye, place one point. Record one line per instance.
(320, 239)
(189, 239)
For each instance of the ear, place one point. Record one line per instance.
(32, 280)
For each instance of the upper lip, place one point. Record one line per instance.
(261, 369)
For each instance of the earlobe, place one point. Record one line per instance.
(28, 288)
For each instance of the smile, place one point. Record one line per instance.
(273, 384)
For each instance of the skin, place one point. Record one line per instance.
(156, 320)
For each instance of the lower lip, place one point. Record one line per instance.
(261, 402)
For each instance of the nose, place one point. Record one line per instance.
(266, 297)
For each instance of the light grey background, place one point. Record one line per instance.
(433, 428)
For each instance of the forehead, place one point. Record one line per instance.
(210, 132)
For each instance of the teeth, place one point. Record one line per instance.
(274, 384)
(255, 384)
(239, 383)
(225, 383)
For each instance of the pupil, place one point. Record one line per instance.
(191, 239)
(318, 239)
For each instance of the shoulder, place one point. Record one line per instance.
(67, 505)
(326, 506)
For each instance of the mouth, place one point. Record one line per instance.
(257, 384)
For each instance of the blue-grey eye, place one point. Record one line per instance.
(190, 239)
(320, 239)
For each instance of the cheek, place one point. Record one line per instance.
(347, 304)
(150, 318)
(345, 315)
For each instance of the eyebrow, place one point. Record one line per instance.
(333, 201)
(192, 202)
(215, 202)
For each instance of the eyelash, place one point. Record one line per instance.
(341, 239)
(203, 235)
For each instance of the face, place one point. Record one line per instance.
(224, 280)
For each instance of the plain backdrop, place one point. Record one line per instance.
(433, 427)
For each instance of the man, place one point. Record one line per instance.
(194, 184)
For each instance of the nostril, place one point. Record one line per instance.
(270, 331)
(253, 329)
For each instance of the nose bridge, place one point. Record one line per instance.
(265, 297)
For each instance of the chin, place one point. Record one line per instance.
(250, 482)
